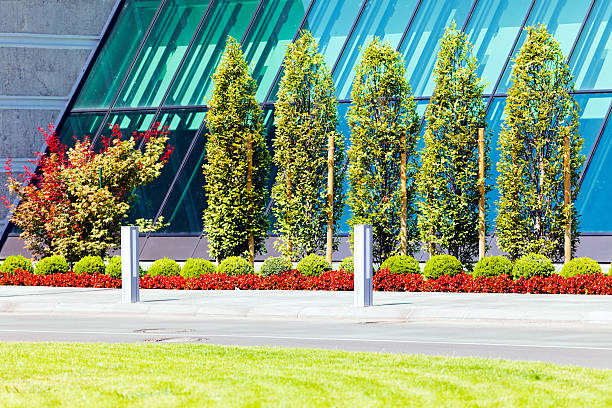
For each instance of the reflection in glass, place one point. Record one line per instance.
(78, 125)
(114, 59)
(593, 109)
(422, 43)
(161, 54)
(386, 19)
(193, 85)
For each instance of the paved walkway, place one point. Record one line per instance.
(388, 306)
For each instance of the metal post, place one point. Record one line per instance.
(129, 265)
(363, 265)
(481, 201)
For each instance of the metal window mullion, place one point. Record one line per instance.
(584, 23)
(469, 17)
(412, 17)
(250, 26)
(348, 38)
(587, 163)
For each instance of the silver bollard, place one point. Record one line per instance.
(130, 292)
(363, 265)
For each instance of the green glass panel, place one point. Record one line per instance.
(78, 125)
(422, 43)
(562, 18)
(592, 60)
(492, 30)
(117, 53)
(161, 54)
(386, 19)
(273, 29)
(193, 85)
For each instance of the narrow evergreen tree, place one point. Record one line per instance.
(540, 113)
(234, 220)
(383, 115)
(448, 181)
(306, 112)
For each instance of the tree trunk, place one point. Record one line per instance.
(404, 198)
(249, 149)
(330, 196)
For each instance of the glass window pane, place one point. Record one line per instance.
(273, 28)
(495, 119)
(563, 19)
(386, 19)
(193, 85)
(492, 30)
(78, 125)
(161, 54)
(593, 109)
(422, 43)
(592, 59)
(117, 53)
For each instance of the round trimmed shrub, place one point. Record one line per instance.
(439, 265)
(196, 267)
(491, 266)
(113, 268)
(401, 264)
(580, 266)
(531, 265)
(235, 265)
(14, 262)
(275, 266)
(164, 267)
(347, 265)
(51, 265)
(313, 265)
(89, 264)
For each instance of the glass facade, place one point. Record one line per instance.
(156, 61)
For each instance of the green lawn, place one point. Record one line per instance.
(155, 375)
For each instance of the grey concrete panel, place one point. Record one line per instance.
(40, 72)
(19, 136)
(84, 17)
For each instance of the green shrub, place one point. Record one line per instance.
(275, 266)
(52, 264)
(235, 265)
(532, 265)
(347, 265)
(194, 268)
(491, 266)
(113, 268)
(580, 266)
(164, 267)
(14, 262)
(89, 264)
(401, 264)
(439, 265)
(313, 265)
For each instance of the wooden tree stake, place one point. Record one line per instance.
(330, 196)
(567, 198)
(403, 230)
(249, 149)
(481, 202)
(289, 187)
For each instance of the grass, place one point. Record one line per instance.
(185, 375)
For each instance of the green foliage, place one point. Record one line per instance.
(164, 267)
(347, 265)
(235, 265)
(275, 266)
(313, 265)
(580, 266)
(383, 112)
(401, 264)
(540, 113)
(113, 268)
(14, 262)
(531, 265)
(52, 264)
(439, 265)
(448, 181)
(491, 266)
(194, 268)
(89, 264)
(306, 117)
(234, 211)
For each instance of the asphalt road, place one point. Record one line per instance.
(586, 345)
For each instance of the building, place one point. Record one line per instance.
(153, 61)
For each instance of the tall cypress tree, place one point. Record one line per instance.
(306, 113)
(234, 220)
(383, 123)
(448, 181)
(540, 113)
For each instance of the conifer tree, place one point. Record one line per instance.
(306, 114)
(384, 123)
(234, 220)
(448, 181)
(540, 114)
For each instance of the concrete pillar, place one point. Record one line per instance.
(363, 265)
(130, 292)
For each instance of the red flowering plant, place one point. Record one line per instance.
(73, 205)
